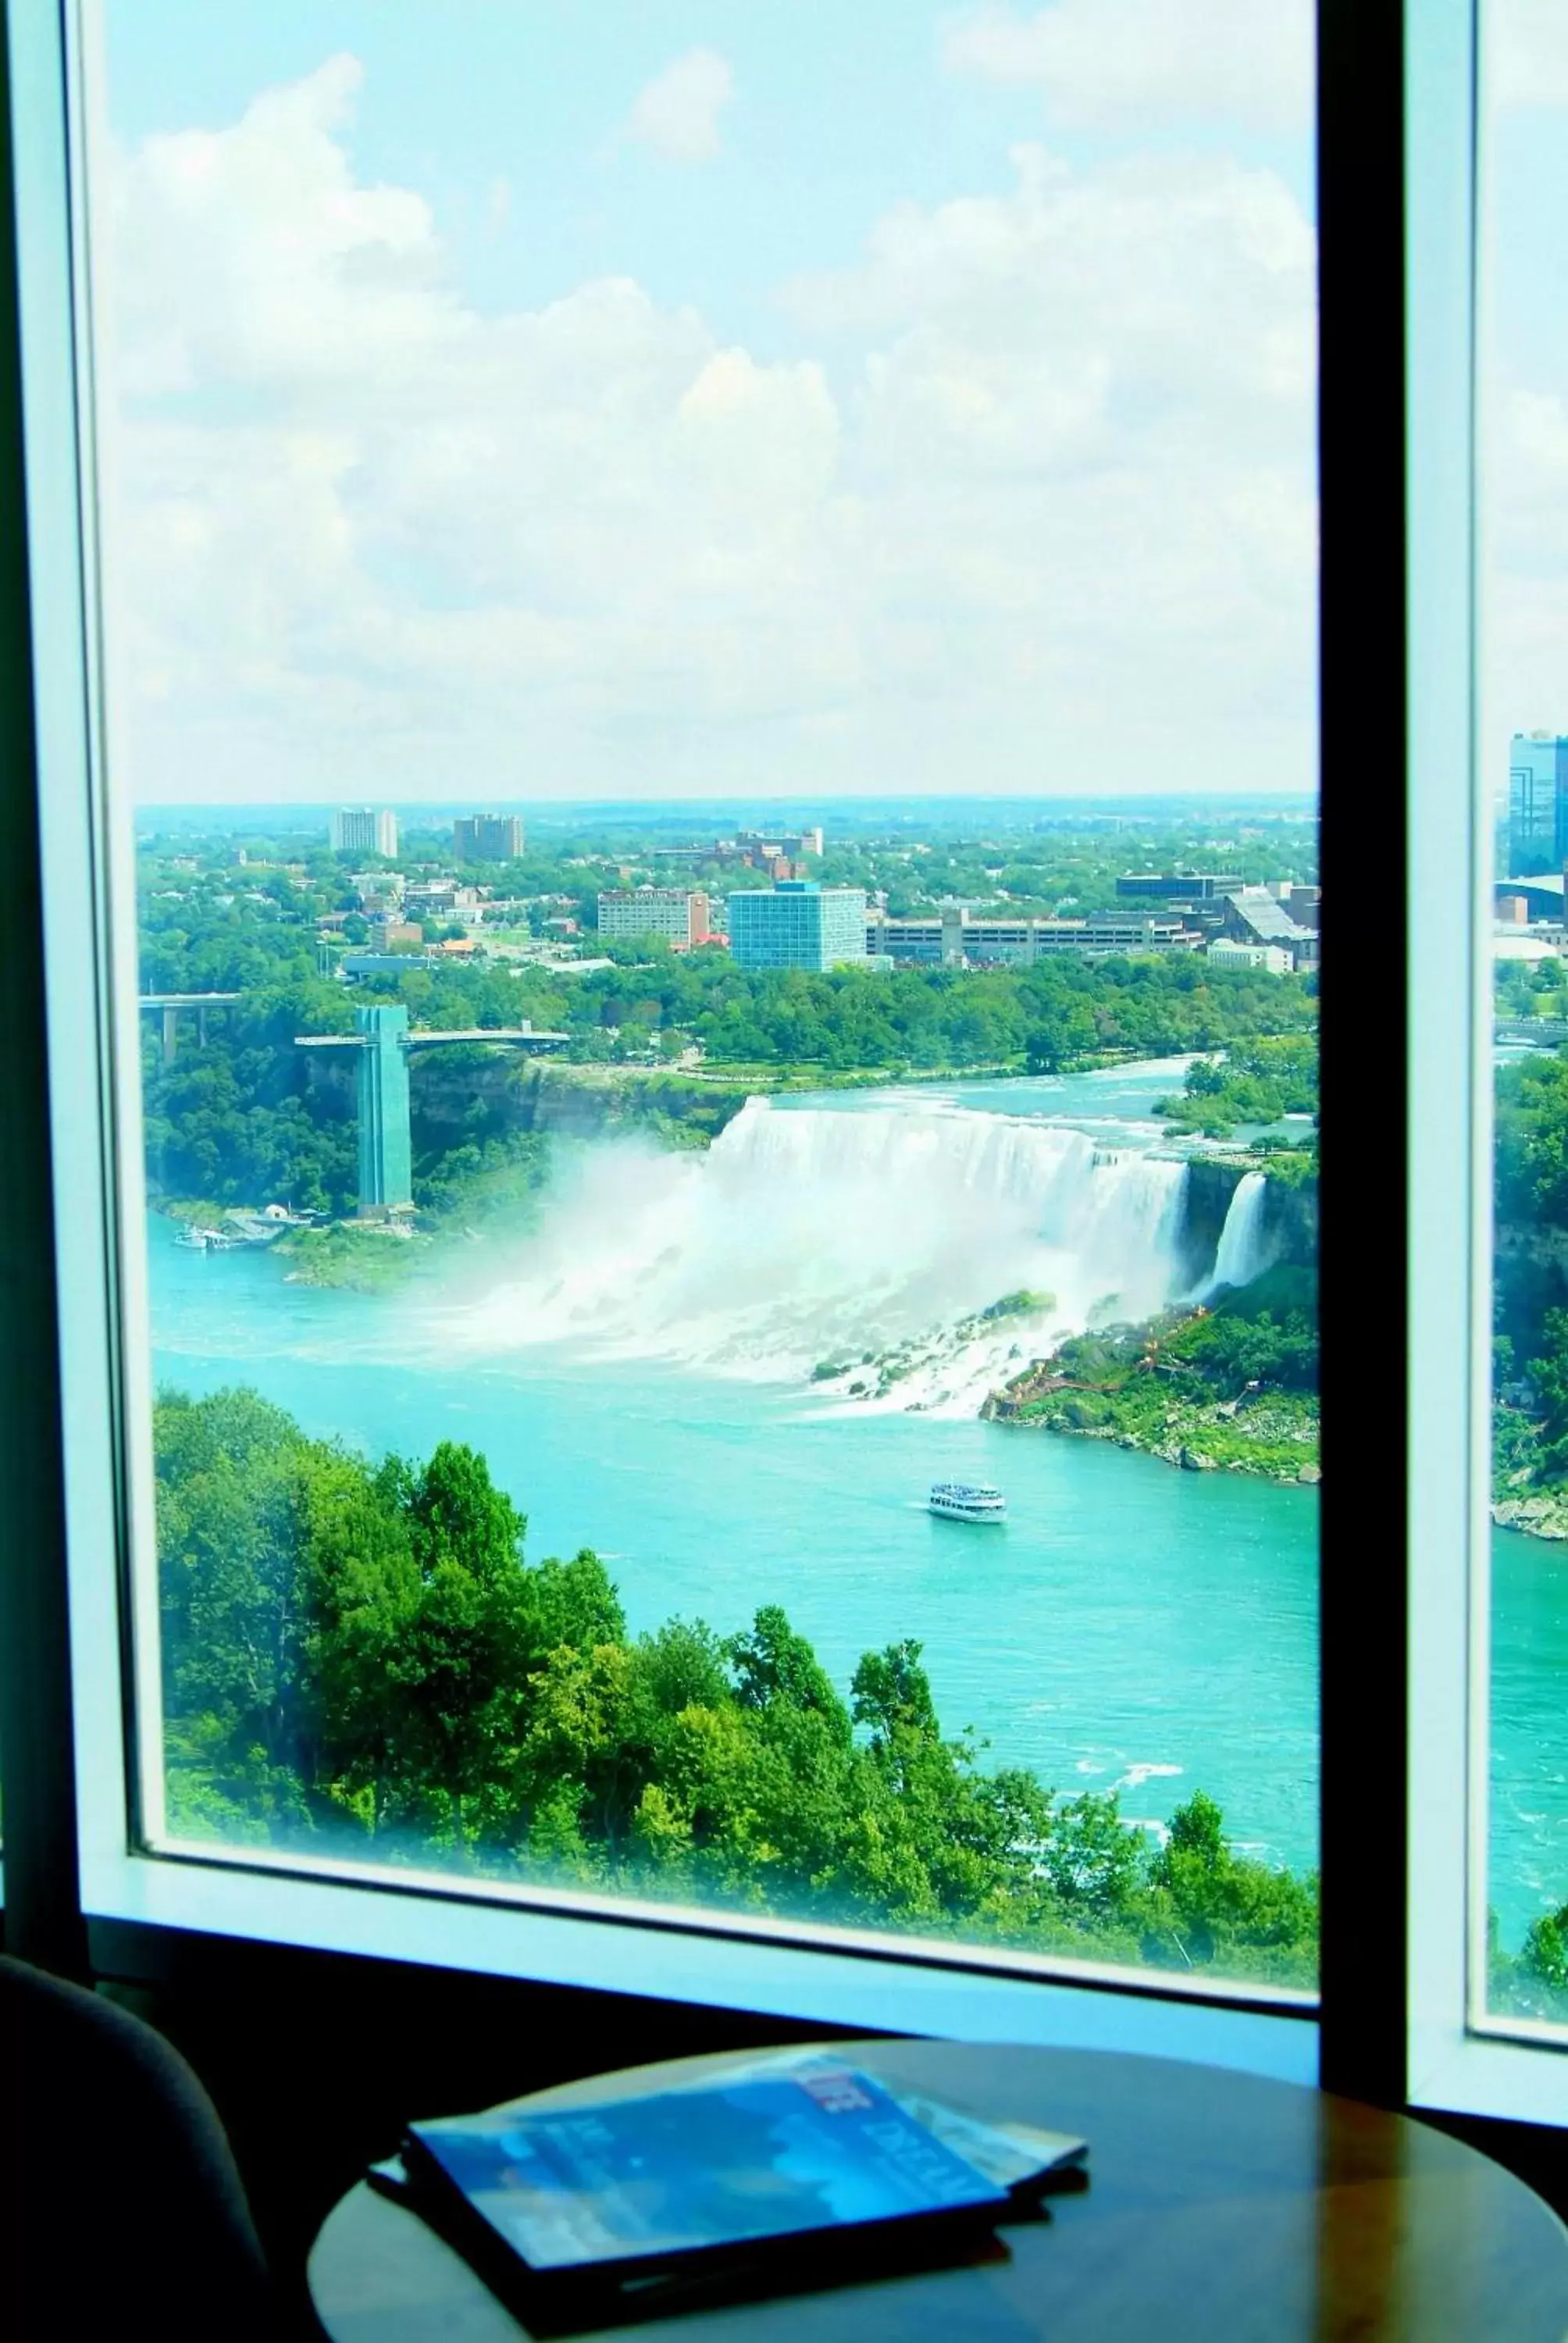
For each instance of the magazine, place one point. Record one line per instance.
(772, 2151)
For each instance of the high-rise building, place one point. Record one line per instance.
(1537, 803)
(798, 924)
(362, 829)
(676, 913)
(487, 838)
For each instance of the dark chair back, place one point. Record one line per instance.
(122, 2211)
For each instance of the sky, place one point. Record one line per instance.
(1522, 468)
(640, 399)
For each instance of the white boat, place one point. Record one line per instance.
(968, 1501)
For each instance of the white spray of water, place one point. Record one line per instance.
(1246, 1249)
(821, 1235)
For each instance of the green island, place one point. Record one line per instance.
(1233, 1385)
(1259, 1079)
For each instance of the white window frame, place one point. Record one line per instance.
(1462, 2057)
(826, 1975)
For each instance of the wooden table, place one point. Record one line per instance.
(1222, 2208)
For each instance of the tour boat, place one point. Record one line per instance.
(968, 1501)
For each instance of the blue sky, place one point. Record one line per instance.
(587, 398)
(837, 112)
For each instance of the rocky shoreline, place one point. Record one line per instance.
(1544, 1514)
(1175, 1445)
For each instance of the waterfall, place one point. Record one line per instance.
(816, 1235)
(1245, 1248)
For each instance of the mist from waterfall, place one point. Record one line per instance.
(1246, 1248)
(816, 1235)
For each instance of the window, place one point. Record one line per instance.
(472, 551)
(505, 506)
(1523, 767)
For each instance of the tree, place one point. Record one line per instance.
(774, 1667)
(1546, 1955)
(458, 1517)
(893, 1694)
(360, 1649)
(1549, 1374)
(1091, 1858)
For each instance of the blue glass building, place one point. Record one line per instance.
(1537, 803)
(798, 924)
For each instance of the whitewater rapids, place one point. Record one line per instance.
(812, 1236)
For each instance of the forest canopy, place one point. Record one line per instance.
(248, 1118)
(360, 1657)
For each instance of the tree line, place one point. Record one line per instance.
(360, 1657)
(247, 1119)
(1260, 1077)
(1531, 1272)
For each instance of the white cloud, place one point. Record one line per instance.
(1125, 65)
(1525, 53)
(1035, 511)
(1524, 590)
(678, 114)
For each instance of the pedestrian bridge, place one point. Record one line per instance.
(1547, 1031)
(171, 1003)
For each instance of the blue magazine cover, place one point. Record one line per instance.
(755, 2155)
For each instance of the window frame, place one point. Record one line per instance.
(1464, 2056)
(1400, 1652)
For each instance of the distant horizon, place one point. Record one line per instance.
(555, 812)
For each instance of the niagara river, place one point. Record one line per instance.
(673, 1367)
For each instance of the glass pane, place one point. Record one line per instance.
(711, 619)
(1524, 717)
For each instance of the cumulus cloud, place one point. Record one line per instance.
(1525, 53)
(1031, 509)
(1125, 65)
(1524, 596)
(678, 114)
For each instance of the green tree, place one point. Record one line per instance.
(358, 1649)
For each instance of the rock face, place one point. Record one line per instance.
(465, 1093)
(1542, 1516)
(1292, 1217)
(581, 1105)
(1537, 1257)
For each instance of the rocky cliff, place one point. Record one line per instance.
(1291, 1218)
(465, 1093)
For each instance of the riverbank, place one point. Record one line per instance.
(473, 1190)
(1227, 1388)
(1188, 1602)
(1527, 1495)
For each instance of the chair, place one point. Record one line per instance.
(122, 2211)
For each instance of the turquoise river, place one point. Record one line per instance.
(638, 1371)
